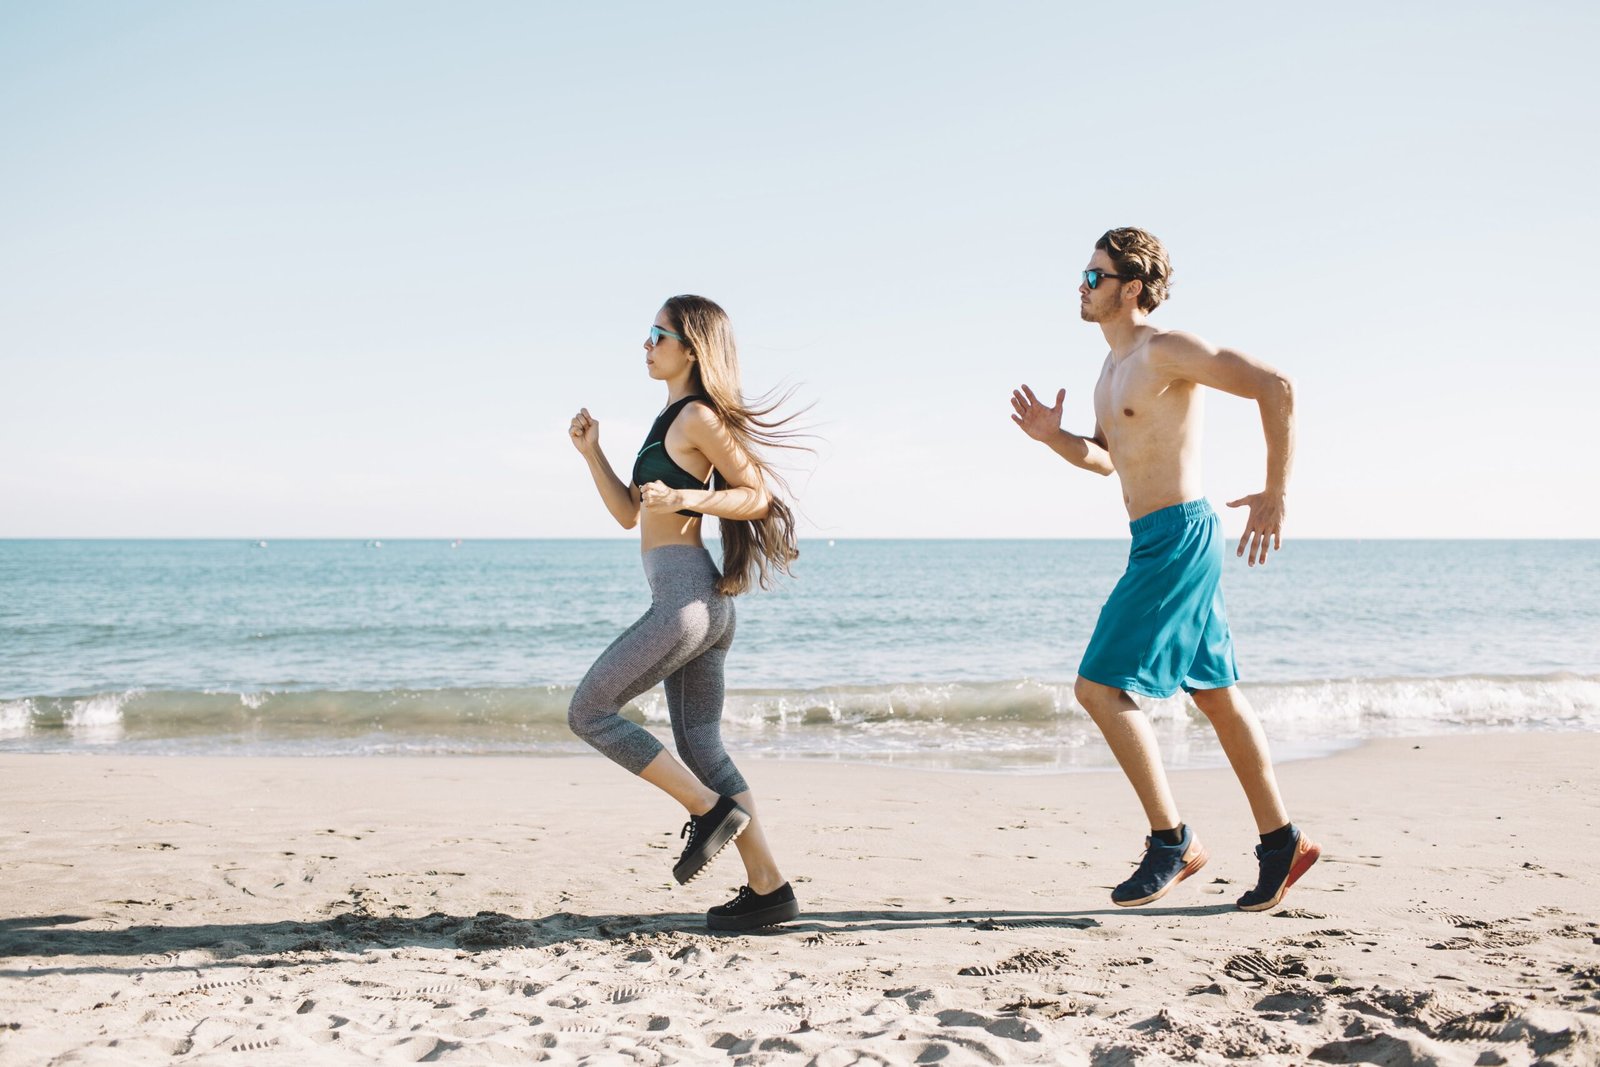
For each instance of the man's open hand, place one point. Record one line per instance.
(1037, 421)
(1265, 525)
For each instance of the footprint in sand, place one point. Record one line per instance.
(1049, 1008)
(1014, 1029)
(1031, 961)
(915, 999)
(570, 1002)
(1290, 1005)
(437, 995)
(225, 985)
(1573, 930)
(1468, 922)
(1509, 938)
(754, 1026)
(1423, 1009)
(1494, 1023)
(254, 1046)
(1255, 968)
(180, 1014)
(1455, 944)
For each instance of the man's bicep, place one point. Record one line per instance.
(1227, 369)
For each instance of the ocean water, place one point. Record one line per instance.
(923, 653)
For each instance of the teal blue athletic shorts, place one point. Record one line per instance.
(1164, 625)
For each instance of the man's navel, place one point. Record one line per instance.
(1128, 412)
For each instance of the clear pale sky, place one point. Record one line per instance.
(306, 269)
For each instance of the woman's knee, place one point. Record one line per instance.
(578, 721)
(584, 717)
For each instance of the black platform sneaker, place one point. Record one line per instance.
(750, 909)
(708, 834)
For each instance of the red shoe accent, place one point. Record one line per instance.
(1193, 865)
(1308, 853)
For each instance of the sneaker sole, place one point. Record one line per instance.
(768, 916)
(1302, 864)
(726, 831)
(1188, 868)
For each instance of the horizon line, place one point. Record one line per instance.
(835, 537)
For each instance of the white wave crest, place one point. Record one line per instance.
(96, 719)
(15, 717)
(1378, 706)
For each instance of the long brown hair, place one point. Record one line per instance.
(751, 548)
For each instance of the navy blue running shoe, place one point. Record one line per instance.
(1163, 867)
(1279, 871)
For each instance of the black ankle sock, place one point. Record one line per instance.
(1169, 837)
(1282, 837)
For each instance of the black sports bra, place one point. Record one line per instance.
(652, 464)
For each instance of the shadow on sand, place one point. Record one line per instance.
(53, 935)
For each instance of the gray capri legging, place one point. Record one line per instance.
(682, 641)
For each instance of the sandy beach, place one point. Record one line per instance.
(480, 910)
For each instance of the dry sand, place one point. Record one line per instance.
(484, 910)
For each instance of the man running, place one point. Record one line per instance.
(1163, 626)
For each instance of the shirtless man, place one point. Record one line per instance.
(1164, 625)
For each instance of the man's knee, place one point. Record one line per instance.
(1215, 703)
(1097, 699)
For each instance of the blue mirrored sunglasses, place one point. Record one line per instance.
(657, 333)
(1091, 278)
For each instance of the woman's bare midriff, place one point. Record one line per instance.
(656, 530)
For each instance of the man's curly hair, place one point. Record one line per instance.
(1138, 254)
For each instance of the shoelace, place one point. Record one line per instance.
(1146, 858)
(744, 892)
(691, 830)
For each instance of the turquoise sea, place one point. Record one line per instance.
(926, 653)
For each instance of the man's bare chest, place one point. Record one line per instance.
(1131, 393)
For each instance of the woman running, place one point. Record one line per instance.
(700, 458)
